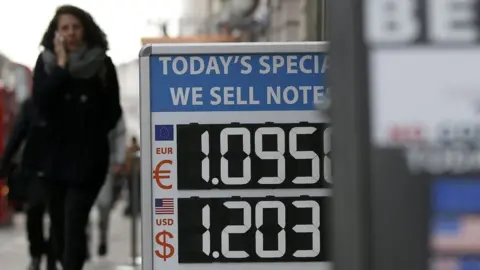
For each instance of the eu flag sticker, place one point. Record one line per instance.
(163, 132)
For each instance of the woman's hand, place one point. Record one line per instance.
(59, 48)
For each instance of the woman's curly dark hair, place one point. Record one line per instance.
(93, 34)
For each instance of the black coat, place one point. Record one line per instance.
(76, 117)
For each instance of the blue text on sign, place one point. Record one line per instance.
(238, 82)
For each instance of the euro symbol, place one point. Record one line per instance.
(159, 174)
(167, 249)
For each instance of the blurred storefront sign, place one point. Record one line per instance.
(407, 133)
(422, 71)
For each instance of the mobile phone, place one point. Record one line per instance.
(57, 35)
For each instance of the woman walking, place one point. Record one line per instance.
(76, 92)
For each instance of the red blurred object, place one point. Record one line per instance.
(5, 127)
(11, 97)
(406, 133)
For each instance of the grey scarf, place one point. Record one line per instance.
(84, 63)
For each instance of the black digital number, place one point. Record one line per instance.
(252, 229)
(243, 156)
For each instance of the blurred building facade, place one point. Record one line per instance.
(296, 20)
(271, 20)
(198, 17)
(254, 20)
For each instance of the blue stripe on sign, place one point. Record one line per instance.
(266, 82)
(456, 195)
(470, 263)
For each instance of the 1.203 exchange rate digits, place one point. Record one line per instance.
(256, 230)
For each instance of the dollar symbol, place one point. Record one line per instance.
(167, 249)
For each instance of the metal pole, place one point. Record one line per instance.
(209, 18)
(322, 10)
(134, 205)
(350, 141)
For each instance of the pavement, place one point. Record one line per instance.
(14, 246)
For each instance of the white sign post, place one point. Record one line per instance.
(235, 159)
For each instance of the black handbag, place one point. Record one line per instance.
(18, 182)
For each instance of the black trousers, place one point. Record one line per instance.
(36, 209)
(69, 210)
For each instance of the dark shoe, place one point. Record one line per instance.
(35, 264)
(51, 263)
(87, 254)
(102, 250)
(52, 266)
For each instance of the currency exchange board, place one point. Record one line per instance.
(236, 161)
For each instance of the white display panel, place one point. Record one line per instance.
(235, 158)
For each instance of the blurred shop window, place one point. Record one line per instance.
(7, 75)
(23, 83)
(245, 19)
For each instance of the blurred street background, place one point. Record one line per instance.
(129, 25)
